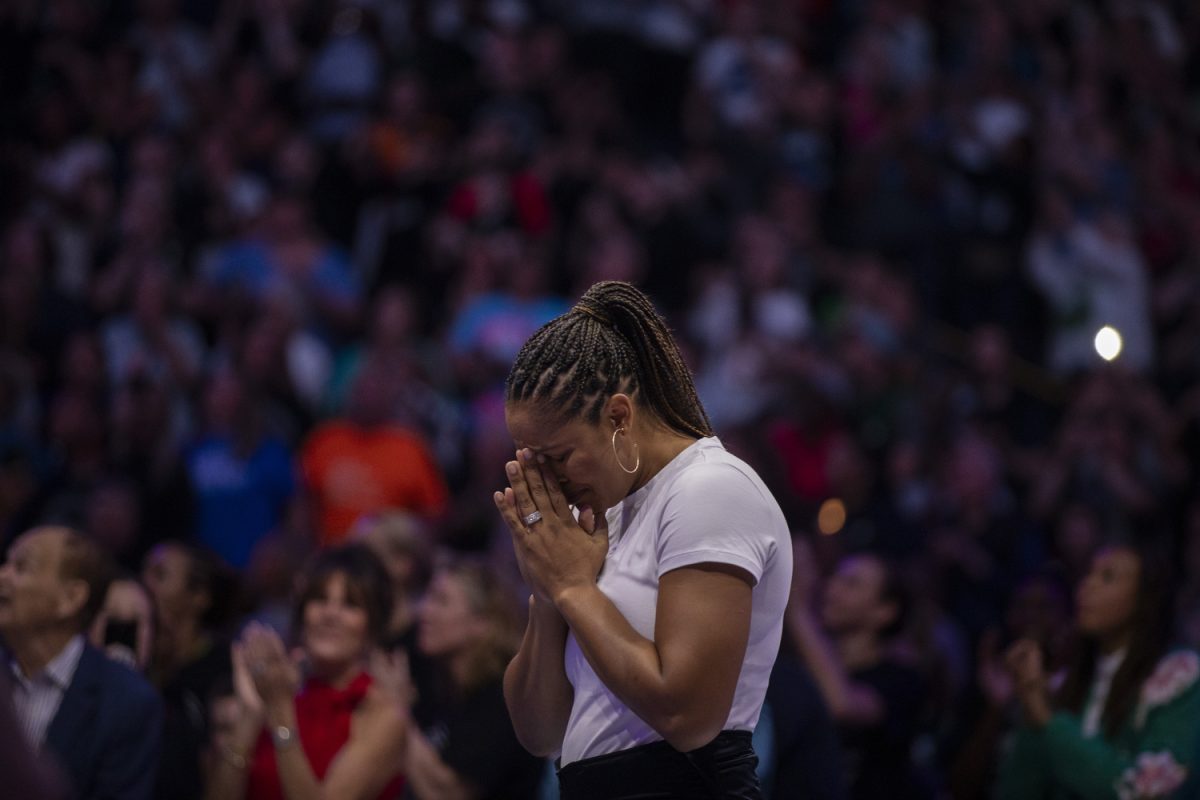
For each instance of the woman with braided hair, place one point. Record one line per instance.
(659, 563)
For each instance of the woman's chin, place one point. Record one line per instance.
(581, 497)
(428, 646)
(1097, 630)
(1086, 623)
(330, 661)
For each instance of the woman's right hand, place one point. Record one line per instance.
(243, 683)
(274, 673)
(995, 681)
(557, 551)
(1024, 663)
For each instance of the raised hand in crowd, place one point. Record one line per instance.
(1024, 663)
(992, 674)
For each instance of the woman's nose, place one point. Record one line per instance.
(327, 610)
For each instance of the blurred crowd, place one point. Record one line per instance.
(264, 265)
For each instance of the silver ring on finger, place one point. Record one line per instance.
(531, 518)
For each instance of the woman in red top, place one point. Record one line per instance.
(334, 733)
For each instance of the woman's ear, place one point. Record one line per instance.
(619, 410)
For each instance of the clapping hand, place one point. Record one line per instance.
(393, 675)
(1024, 663)
(995, 681)
(264, 674)
(243, 683)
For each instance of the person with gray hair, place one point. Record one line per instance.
(99, 719)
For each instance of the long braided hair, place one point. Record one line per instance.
(1151, 638)
(612, 341)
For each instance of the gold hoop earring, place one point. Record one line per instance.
(637, 451)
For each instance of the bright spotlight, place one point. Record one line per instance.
(1108, 342)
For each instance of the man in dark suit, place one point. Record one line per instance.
(100, 720)
(26, 774)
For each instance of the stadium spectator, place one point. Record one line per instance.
(100, 719)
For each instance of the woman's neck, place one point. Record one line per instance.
(186, 639)
(402, 615)
(1113, 643)
(659, 449)
(338, 676)
(459, 668)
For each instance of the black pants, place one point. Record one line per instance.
(723, 768)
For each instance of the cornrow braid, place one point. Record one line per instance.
(612, 341)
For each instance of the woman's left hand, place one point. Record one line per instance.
(393, 675)
(1024, 663)
(555, 552)
(275, 675)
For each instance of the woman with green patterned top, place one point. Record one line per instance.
(1124, 723)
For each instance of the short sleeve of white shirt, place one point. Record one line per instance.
(715, 513)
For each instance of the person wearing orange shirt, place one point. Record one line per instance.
(366, 462)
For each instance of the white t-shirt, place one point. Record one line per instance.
(705, 506)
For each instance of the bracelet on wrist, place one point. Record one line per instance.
(283, 737)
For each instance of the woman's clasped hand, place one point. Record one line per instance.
(557, 551)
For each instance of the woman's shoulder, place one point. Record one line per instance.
(373, 691)
(1176, 673)
(380, 708)
(707, 465)
(715, 481)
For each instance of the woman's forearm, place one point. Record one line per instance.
(429, 778)
(624, 660)
(681, 683)
(226, 779)
(846, 701)
(295, 774)
(536, 689)
(820, 659)
(1035, 706)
